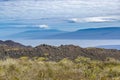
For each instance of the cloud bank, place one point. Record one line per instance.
(36, 9)
(96, 19)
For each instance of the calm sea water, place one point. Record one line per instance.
(82, 43)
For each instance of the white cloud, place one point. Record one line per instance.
(44, 26)
(95, 19)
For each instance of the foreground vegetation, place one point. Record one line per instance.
(40, 69)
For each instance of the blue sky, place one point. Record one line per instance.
(66, 15)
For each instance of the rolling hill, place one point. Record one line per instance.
(11, 43)
(55, 53)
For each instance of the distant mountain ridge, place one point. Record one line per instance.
(91, 33)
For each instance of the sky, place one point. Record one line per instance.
(68, 15)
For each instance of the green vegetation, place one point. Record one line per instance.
(81, 68)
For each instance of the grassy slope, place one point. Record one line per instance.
(79, 69)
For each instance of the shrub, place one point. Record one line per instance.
(42, 59)
(24, 58)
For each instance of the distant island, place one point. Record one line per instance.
(109, 46)
(89, 34)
